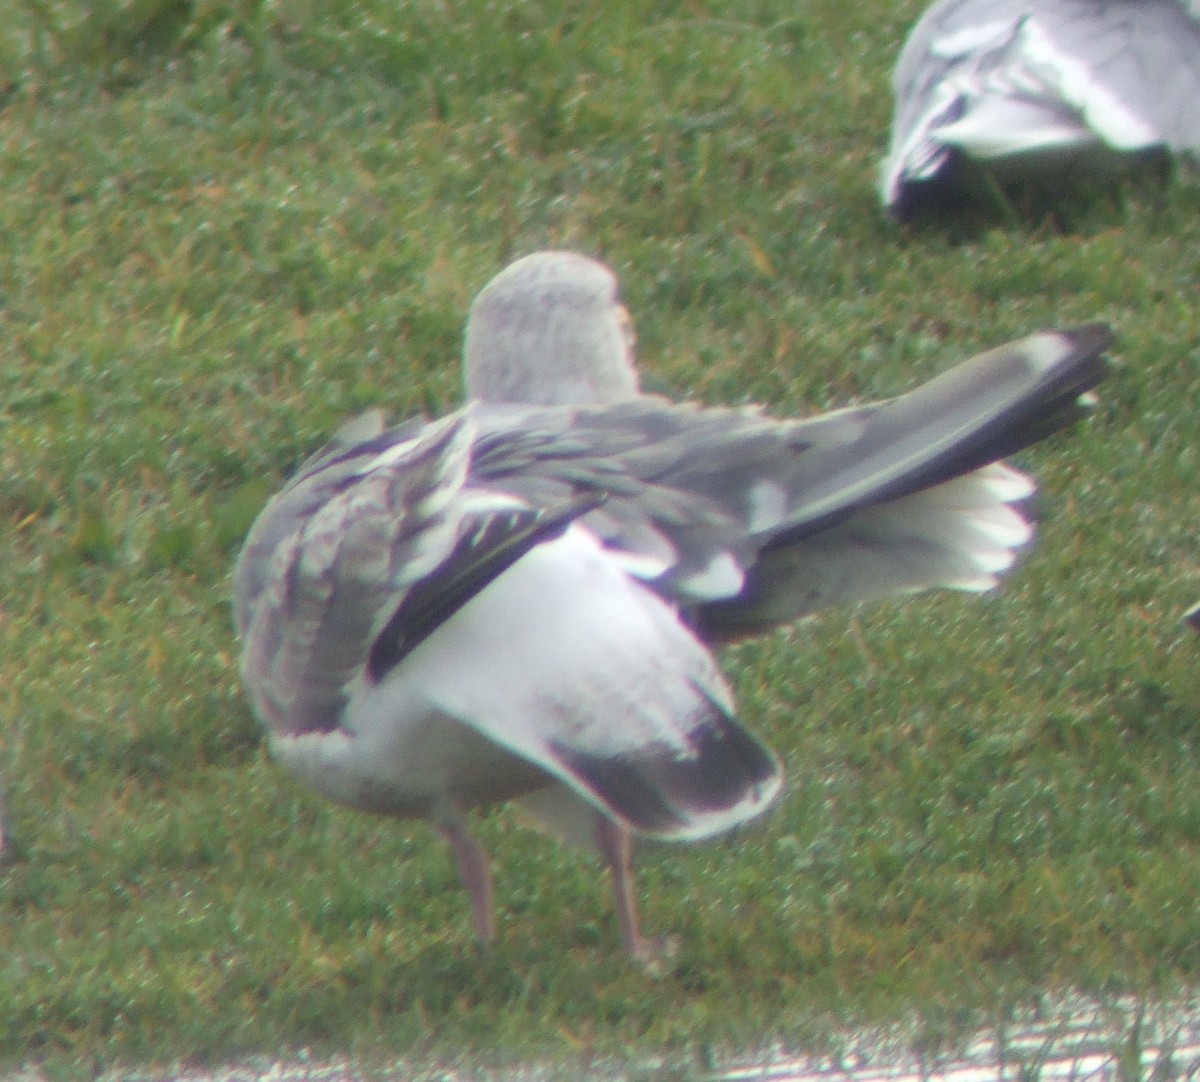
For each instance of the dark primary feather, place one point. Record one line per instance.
(655, 791)
(1042, 406)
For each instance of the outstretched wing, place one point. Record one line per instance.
(748, 522)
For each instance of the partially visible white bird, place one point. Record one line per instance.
(1037, 88)
(516, 602)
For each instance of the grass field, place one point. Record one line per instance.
(228, 226)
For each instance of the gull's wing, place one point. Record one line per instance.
(420, 639)
(748, 522)
(919, 498)
(300, 498)
(328, 559)
(1026, 85)
(683, 486)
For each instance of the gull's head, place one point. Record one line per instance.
(550, 330)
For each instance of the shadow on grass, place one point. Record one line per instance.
(964, 202)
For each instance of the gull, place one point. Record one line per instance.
(1025, 88)
(519, 601)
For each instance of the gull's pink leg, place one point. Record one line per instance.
(477, 876)
(616, 846)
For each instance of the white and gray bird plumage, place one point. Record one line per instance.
(518, 601)
(555, 301)
(1036, 88)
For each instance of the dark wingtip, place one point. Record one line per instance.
(1094, 337)
(728, 777)
(1192, 618)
